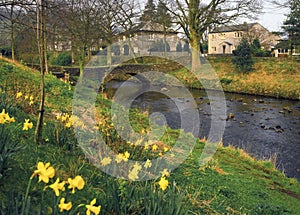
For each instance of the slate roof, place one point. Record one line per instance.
(231, 28)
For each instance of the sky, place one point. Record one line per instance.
(273, 17)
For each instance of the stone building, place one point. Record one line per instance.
(146, 37)
(224, 40)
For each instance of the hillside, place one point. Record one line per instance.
(231, 183)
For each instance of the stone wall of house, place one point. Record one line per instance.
(226, 42)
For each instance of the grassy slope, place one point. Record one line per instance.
(231, 183)
(271, 77)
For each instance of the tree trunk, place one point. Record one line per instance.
(38, 135)
(82, 59)
(132, 51)
(195, 52)
(12, 32)
(109, 58)
(45, 37)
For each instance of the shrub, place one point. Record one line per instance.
(63, 59)
(243, 59)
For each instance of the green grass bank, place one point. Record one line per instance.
(275, 77)
(231, 183)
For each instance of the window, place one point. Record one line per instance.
(222, 35)
(213, 36)
(214, 49)
(238, 34)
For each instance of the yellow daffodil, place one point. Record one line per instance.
(160, 154)
(31, 98)
(77, 182)
(119, 158)
(133, 174)
(56, 187)
(122, 157)
(31, 102)
(126, 155)
(163, 183)
(45, 171)
(148, 164)
(106, 161)
(19, 94)
(12, 119)
(27, 125)
(165, 172)
(137, 166)
(64, 206)
(4, 117)
(58, 117)
(26, 97)
(166, 149)
(91, 208)
(68, 125)
(154, 147)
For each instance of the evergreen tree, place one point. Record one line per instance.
(292, 24)
(243, 59)
(256, 48)
(163, 17)
(149, 13)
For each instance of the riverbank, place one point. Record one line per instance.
(274, 77)
(231, 183)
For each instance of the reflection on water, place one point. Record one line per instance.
(264, 127)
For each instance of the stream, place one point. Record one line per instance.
(264, 127)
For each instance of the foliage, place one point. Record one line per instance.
(62, 59)
(9, 145)
(292, 23)
(243, 59)
(257, 50)
(149, 13)
(163, 17)
(6, 51)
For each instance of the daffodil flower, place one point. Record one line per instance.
(77, 182)
(56, 187)
(4, 117)
(19, 94)
(91, 208)
(163, 183)
(133, 174)
(126, 155)
(106, 161)
(165, 172)
(45, 171)
(64, 206)
(27, 125)
(148, 164)
(154, 147)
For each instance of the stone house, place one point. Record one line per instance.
(144, 37)
(224, 40)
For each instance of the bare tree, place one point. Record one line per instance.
(196, 16)
(11, 13)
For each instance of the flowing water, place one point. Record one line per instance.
(264, 127)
